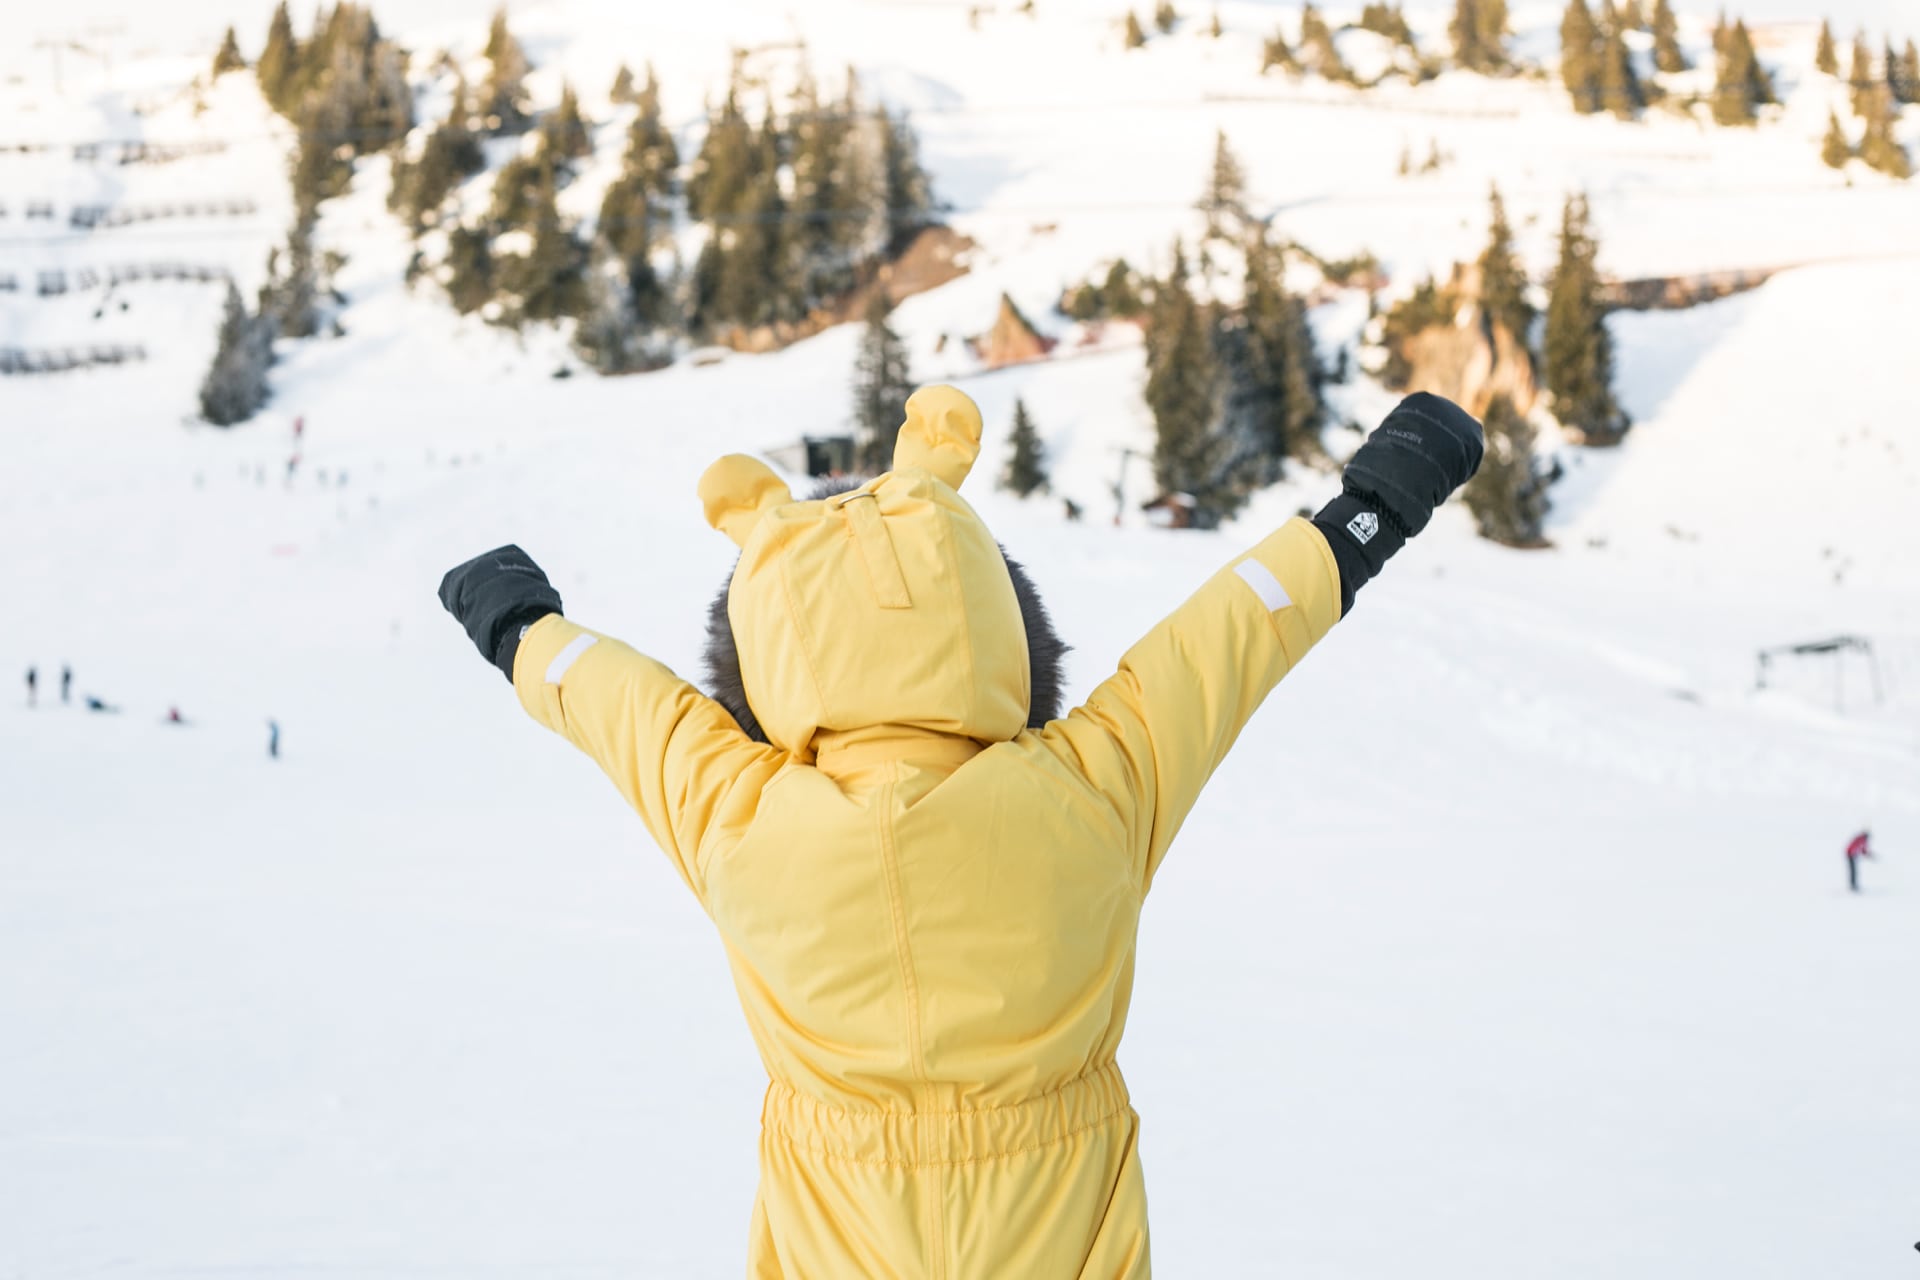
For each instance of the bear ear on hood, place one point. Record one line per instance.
(737, 491)
(941, 434)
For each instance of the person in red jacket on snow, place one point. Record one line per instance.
(1856, 850)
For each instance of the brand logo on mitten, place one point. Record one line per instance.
(1363, 527)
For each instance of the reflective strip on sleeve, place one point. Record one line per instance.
(564, 660)
(1264, 584)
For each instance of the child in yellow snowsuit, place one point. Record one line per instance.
(929, 904)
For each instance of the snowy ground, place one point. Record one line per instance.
(1513, 940)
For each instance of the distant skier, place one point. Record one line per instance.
(928, 879)
(1856, 850)
(66, 683)
(273, 739)
(33, 685)
(96, 704)
(174, 716)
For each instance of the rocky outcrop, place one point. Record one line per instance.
(1471, 361)
(1012, 340)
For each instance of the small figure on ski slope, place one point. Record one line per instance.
(66, 683)
(928, 880)
(33, 685)
(1856, 850)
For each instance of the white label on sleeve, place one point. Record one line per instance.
(564, 660)
(1264, 584)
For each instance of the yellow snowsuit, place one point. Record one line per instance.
(929, 908)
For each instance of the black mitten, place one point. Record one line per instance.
(493, 596)
(1426, 448)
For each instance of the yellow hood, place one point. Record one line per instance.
(889, 605)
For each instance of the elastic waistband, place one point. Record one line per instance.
(919, 1138)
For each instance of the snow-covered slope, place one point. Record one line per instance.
(1513, 939)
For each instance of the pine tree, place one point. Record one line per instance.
(1119, 295)
(1386, 20)
(722, 168)
(292, 294)
(1580, 57)
(1667, 56)
(228, 57)
(1631, 16)
(652, 155)
(1742, 84)
(1860, 77)
(1133, 37)
(1619, 86)
(1578, 362)
(1026, 471)
(503, 100)
(564, 132)
(825, 201)
(1276, 52)
(1317, 47)
(320, 168)
(1214, 29)
(470, 270)
(1903, 88)
(1879, 148)
(1826, 59)
(882, 381)
(1273, 397)
(1910, 72)
(755, 282)
(613, 335)
(449, 155)
(1182, 393)
(1164, 16)
(1835, 150)
(236, 383)
(1508, 495)
(550, 279)
(1225, 201)
(909, 191)
(1479, 31)
(519, 186)
(623, 90)
(1503, 283)
(278, 61)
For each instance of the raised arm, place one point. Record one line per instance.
(1155, 731)
(676, 755)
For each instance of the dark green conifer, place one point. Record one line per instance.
(503, 99)
(470, 269)
(623, 90)
(278, 61)
(228, 57)
(882, 381)
(1026, 470)
(1826, 58)
(236, 383)
(1619, 86)
(1580, 58)
(566, 135)
(1879, 148)
(1183, 390)
(1503, 282)
(1508, 495)
(1667, 56)
(1835, 149)
(1578, 356)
